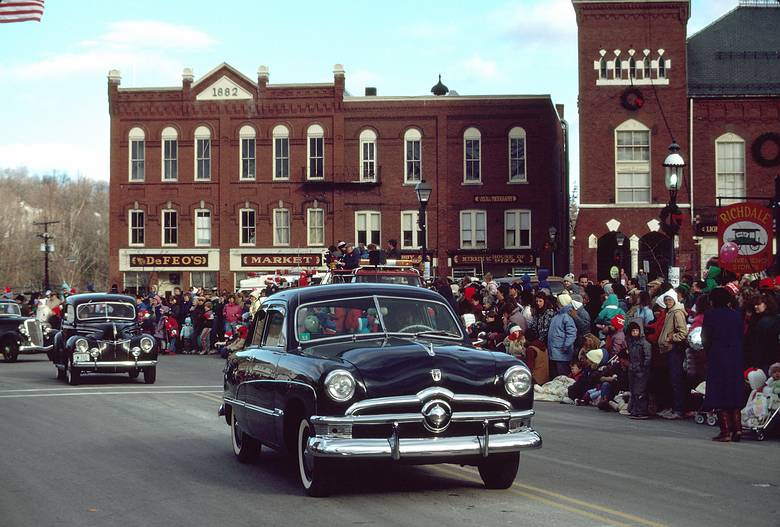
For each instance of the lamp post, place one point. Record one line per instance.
(620, 238)
(671, 216)
(423, 189)
(553, 232)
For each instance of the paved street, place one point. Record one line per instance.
(115, 451)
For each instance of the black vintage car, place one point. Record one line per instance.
(20, 334)
(100, 334)
(374, 372)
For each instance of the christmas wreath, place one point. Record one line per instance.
(758, 146)
(632, 99)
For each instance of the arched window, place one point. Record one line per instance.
(137, 158)
(281, 137)
(603, 71)
(632, 68)
(315, 152)
(618, 67)
(412, 156)
(632, 163)
(202, 154)
(368, 155)
(661, 67)
(648, 71)
(472, 161)
(248, 164)
(170, 154)
(517, 173)
(730, 167)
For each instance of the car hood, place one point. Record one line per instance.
(397, 366)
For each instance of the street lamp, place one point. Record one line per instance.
(620, 238)
(553, 232)
(671, 214)
(423, 189)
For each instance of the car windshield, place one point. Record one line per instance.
(9, 309)
(106, 310)
(375, 315)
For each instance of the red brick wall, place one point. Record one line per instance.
(441, 121)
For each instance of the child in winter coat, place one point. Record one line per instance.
(186, 335)
(171, 331)
(639, 356)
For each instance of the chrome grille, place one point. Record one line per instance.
(34, 332)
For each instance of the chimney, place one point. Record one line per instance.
(338, 80)
(559, 109)
(186, 81)
(262, 76)
(370, 91)
(114, 77)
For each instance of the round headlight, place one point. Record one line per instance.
(517, 381)
(81, 345)
(340, 385)
(146, 344)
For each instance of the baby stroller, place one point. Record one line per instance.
(759, 418)
(700, 415)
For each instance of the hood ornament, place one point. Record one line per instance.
(436, 374)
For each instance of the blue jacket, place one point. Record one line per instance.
(561, 336)
(351, 260)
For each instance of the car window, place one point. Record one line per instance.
(103, 310)
(7, 308)
(400, 279)
(411, 316)
(257, 336)
(274, 336)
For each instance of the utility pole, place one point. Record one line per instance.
(46, 248)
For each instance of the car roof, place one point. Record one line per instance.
(326, 292)
(98, 297)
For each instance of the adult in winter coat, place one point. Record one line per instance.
(722, 339)
(762, 347)
(561, 336)
(581, 319)
(672, 342)
(639, 357)
(542, 314)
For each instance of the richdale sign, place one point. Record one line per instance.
(749, 226)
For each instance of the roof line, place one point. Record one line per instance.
(717, 20)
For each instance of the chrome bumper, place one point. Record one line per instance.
(35, 349)
(338, 445)
(116, 364)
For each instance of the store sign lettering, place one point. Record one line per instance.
(487, 259)
(169, 260)
(284, 260)
(510, 198)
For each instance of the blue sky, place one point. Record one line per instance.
(54, 112)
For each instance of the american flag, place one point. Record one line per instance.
(20, 10)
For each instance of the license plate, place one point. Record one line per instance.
(81, 357)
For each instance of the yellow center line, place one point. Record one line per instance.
(461, 472)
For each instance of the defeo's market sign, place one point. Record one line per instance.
(749, 226)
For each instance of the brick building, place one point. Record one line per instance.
(643, 85)
(226, 176)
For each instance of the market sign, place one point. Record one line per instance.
(749, 226)
(496, 258)
(169, 260)
(283, 260)
(493, 198)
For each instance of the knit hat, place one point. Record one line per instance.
(595, 356)
(341, 244)
(568, 277)
(732, 288)
(564, 299)
(766, 283)
(618, 321)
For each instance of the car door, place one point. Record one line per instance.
(261, 365)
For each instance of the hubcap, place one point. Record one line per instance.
(305, 459)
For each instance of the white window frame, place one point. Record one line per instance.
(315, 132)
(244, 227)
(164, 214)
(413, 215)
(412, 135)
(473, 214)
(368, 155)
(367, 216)
(247, 134)
(169, 159)
(472, 134)
(202, 133)
(312, 227)
(518, 213)
(631, 166)
(516, 134)
(130, 227)
(277, 227)
(199, 214)
(720, 190)
(281, 133)
(136, 139)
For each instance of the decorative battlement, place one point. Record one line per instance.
(618, 68)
